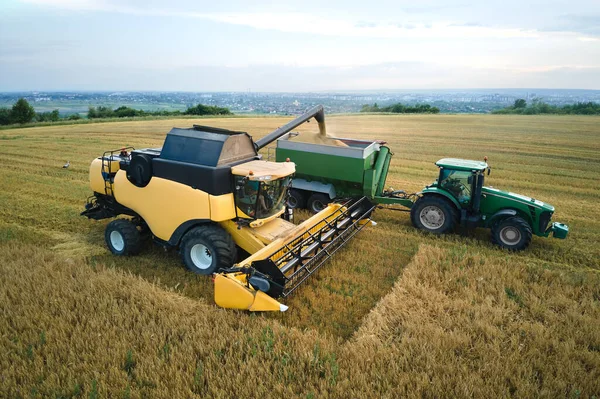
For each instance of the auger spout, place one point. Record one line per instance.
(317, 112)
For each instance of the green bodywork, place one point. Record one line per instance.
(351, 176)
(493, 204)
(461, 184)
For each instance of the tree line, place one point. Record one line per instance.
(400, 108)
(537, 107)
(127, 112)
(22, 112)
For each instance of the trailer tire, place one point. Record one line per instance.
(512, 233)
(206, 249)
(317, 202)
(434, 215)
(296, 199)
(123, 238)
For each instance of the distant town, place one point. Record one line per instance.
(448, 101)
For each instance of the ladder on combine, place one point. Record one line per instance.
(108, 174)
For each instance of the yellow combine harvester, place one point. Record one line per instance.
(208, 192)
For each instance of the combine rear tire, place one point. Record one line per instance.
(206, 249)
(317, 202)
(513, 233)
(122, 237)
(434, 215)
(296, 200)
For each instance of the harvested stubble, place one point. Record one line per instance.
(464, 319)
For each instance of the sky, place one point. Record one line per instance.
(283, 46)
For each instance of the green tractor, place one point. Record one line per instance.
(359, 168)
(459, 198)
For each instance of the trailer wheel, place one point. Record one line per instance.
(122, 237)
(433, 214)
(296, 200)
(206, 249)
(513, 233)
(317, 202)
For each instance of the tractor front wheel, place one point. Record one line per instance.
(434, 215)
(513, 233)
(122, 237)
(206, 249)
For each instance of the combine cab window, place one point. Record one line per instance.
(260, 200)
(456, 182)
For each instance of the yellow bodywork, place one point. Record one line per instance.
(233, 291)
(165, 205)
(264, 170)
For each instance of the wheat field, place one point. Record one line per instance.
(396, 313)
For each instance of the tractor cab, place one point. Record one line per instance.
(463, 179)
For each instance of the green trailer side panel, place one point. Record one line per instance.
(324, 166)
(384, 170)
(370, 161)
(369, 185)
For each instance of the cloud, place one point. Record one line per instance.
(299, 22)
(270, 78)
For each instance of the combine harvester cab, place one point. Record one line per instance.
(207, 192)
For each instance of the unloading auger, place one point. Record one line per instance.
(207, 192)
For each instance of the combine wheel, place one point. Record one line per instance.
(513, 233)
(122, 237)
(317, 202)
(206, 249)
(434, 215)
(296, 200)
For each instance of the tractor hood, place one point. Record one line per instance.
(518, 198)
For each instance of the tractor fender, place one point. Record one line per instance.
(442, 193)
(501, 214)
(315, 187)
(184, 228)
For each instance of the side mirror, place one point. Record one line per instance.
(489, 171)
(470, 179)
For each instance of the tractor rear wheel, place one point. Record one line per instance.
(317, 202)
(513, 233)
(433, 214)
(122, 237)
(206, 249)
(296, 200)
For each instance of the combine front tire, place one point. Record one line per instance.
(122, 237)
(206, 249)
(434, 215)
(513, 233)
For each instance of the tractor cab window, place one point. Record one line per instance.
(458, 183)
(260, 199)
